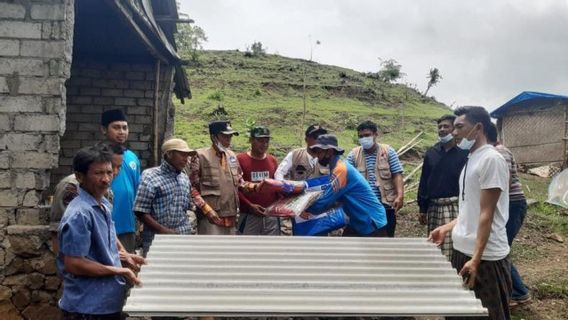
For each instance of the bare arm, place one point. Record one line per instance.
(488, 203)
(149, 221)
(81, 266)
(399, 187)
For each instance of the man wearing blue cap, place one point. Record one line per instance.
(216, 178)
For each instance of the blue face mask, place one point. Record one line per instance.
(366, 142)
(445, 139)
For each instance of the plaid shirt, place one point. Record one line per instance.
(164, 194)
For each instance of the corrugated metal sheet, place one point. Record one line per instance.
(298, 276)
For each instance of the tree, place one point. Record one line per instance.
(189, 40)
(255, 50)
(434, 78)
(390, 70)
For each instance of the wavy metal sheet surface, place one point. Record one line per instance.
(298, 276)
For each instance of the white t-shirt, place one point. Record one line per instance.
(485, 169)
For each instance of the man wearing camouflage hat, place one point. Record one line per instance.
(257, 165)
(216, 178)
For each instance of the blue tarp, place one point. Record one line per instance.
(529, 97)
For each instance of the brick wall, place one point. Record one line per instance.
(35, 58)
(95, 87)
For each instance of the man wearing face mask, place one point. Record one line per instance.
(216, 178)
(481, 249)
(380, 165)
(439, 188)
(366, 214)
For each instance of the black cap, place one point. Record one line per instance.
(259, 132)
(221, 126)
(315, 130)
(327, 141)
(111, 116)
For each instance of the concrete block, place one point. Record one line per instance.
(125, 101)
(3, 85)
(90, 91)
(54, 105)
(49, 86)
(8, 198)
(5, 123)
(112, 92)
(5, 159)
(111, 74)
(139, 110)
(103, 100)
(145, 102)
(48, 12)
(134, 93)
(59, 68)
(31, 199)
(9, 47)
(25, 180)
(94, 109)
(20, 29)
(36, 123)
(91, 73)
(20, 141)
(85, 118)
(81, 100)
(139, 145)
(120, 67)
(20, 104)
(51, 143)
(24, 67)
(79, 81)
(28, 216)
(34, 160)
(12, 10)
(133, 75)
(142, 85)
(44, 49)
(5, 179)
(149, 94)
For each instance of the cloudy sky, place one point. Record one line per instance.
(487, 50)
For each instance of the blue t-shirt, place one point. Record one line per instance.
(366, 213)
(124, 188)
(87, 230)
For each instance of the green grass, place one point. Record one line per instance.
(268, 90)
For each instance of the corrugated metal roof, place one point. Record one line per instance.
(298, 276)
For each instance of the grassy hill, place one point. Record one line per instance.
(269, 91)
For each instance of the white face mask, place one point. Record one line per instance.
(366, 142)
(466, 144)
(445, 139)
(221, 147)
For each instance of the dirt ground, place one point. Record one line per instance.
(542, 263)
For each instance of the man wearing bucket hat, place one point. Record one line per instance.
(163, 196)
(257, 165)
(216, 178)
(367, 217)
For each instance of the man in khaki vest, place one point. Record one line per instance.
(216, 178)
(301, 164)
(380, 165)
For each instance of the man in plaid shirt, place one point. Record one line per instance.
(163, 198)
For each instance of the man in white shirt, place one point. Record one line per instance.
(479, 235)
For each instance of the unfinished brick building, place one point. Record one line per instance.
(62, 63)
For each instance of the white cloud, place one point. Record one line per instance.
(487, 51)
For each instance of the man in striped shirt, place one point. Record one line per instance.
(380, 165)
(517, 213)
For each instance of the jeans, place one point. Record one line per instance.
(517, 213)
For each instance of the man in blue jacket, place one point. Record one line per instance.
(367, 217)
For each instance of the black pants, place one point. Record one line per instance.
(378, 233)
(82, 316)
(391, 220)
